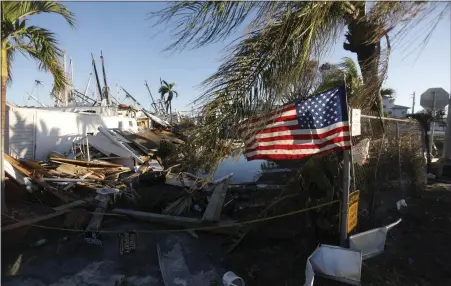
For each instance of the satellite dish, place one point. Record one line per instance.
(441, 99)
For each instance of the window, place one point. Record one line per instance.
(385, 106)
(390, 113)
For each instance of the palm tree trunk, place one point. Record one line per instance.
(170, 112)
(368, 58)
(361, 40)
(3, 125)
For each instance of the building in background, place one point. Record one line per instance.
(393, 110)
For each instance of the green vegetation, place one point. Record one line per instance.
(167, 90)
(35, 42)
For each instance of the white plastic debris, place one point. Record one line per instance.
(400, 204)
(371, 242)
(431, 176)
(231, 279)
(107, 191)
(155, 165)
(334, 262)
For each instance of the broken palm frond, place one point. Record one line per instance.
(179, 206)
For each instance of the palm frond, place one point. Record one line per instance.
(18, 10)
(349, 67)
(265, 64)
(198, 23)
(43, 47)
(10, 59)
(388, 92)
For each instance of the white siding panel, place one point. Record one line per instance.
(22, 125)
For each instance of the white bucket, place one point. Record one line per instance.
(230, 279)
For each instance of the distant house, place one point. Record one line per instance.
(399, 111)
(392, 109)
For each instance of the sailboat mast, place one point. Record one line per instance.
(150, 93)
(107, 93)
(97, 77)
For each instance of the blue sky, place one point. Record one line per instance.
(133, 52)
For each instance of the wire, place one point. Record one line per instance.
(191, 229)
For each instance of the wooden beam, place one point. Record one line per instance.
(185, 222)
(58, 211)
(84, 163)
(214, 207)
(96, 221)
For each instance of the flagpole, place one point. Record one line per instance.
(346, 181)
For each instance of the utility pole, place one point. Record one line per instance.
(413, 102)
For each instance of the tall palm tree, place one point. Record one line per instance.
(284, 37)
(38, 43)
(167, 90)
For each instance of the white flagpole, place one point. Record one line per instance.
(345, 198)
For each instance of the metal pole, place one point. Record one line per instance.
(413, 103)
(37, 100)
(431, 144)
(446, 153)
(87, 86)
(117, 91)
(447, 144)
(72, 74)
(345, 199)
(398, 140)
(87, 147)
(65, 76)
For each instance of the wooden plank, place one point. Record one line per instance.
(73, 184)
(36, 177)
(214, 207)
(185, 222)
(77, 171)
(58, 211)
(83, 163)
(96, 221)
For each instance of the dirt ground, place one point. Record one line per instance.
(418, 250)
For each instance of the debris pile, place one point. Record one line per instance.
(121, 172)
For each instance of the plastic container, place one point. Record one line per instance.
(230, 279)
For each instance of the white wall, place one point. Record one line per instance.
(399, 112)
(388, 103)
(56, 130)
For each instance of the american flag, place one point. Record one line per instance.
(315, 125)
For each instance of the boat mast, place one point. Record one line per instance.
(150, 93)
(87, 86)
(106, 91)
(97, 77)
(65, 76)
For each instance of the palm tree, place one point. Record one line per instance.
(167, 89)
(347, 72)
(38, 43)
(284, 37)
